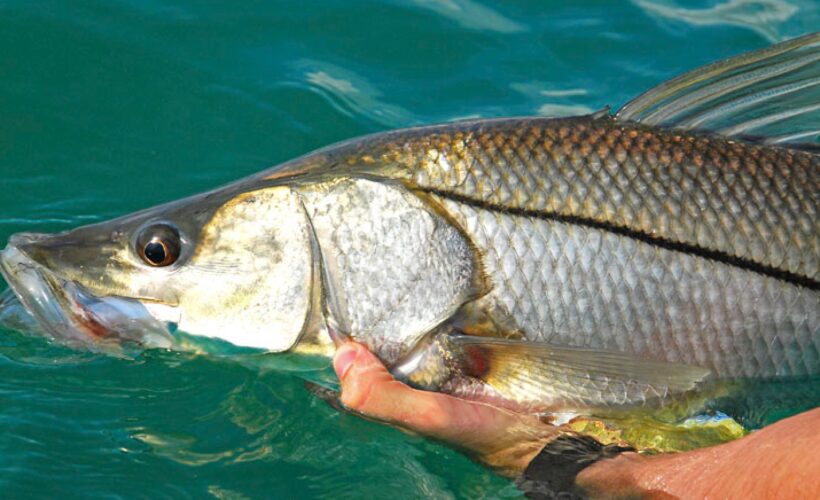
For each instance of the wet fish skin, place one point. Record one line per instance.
(748, 202)
(400, 254)
(598, 248)
(392, 268)
(598, 290)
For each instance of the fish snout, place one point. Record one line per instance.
(24, 248)
(23, 239)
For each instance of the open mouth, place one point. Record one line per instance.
(67, 311)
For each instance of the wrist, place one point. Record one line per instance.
(619, 476)
(562, 464)
(513, 461)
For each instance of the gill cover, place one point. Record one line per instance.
(249, 278)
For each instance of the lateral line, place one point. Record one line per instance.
(675, 246)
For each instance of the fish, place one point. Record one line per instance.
(585, 264)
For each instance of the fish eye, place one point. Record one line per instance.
(158, 245)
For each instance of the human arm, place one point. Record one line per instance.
(782, 460)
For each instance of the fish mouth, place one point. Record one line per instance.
(69, 312)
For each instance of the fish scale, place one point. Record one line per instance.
(742, 200)
(594, 289)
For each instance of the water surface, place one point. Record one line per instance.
(108, 106)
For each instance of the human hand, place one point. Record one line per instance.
(503, 440)
(778, 461)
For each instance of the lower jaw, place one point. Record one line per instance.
(68, 312)
(31, 287)
(14, 316)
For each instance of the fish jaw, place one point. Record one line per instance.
(69, 312)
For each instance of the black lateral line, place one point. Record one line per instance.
(675, 246)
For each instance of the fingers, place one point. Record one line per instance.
(370, 389)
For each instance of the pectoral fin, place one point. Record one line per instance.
(538, 375)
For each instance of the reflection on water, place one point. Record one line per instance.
(351, 95)
(472, 15)
(762, 16)
(559, 102)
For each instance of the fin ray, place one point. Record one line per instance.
(535, 372)
(769, 93)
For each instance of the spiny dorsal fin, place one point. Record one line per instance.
(771, 95)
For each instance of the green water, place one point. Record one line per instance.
(111, 106)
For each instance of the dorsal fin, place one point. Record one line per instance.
(771, 95)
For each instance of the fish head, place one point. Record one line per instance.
(233, 266)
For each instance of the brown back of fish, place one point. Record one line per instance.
(753, 205)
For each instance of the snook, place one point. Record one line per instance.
(540, 264)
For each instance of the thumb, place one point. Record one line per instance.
(354, 357)
(363, 375)
(344, 358)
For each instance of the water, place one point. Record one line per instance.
(111, 106)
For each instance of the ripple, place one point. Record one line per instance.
(225, 494)
(48, 220)
(178, 448)
(560, 102)
(762, 16)
(351, 94)
(473, 15)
